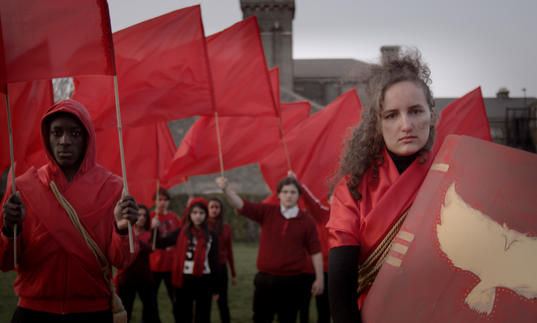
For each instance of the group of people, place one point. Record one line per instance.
(60, 278)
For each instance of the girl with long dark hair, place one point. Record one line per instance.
(384, 165)
(223, 230)
(195, 265)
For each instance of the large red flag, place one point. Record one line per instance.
(148, 152)
(464, 116)
(239, 71)
(28, 102)
(315, 146)
(162, 69)
(466, 250)
(244, 141)
(55, 38)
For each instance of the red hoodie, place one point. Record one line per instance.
(57, 272)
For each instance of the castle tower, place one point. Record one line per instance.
(275, 19)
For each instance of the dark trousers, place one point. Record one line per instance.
(195, 293)
(158, 276)
(148, 296)
(23, 315)
(276, 295)
(323, 307)
(306, 280)
(222, 292)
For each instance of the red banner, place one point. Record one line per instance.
(240, 77)
(315, 146)
(28, 102)
(464, 116)
(163, 73)
(466, 250)
(55, 38)
(148, 152)
(245, 140)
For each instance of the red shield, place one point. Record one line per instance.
(467, 251)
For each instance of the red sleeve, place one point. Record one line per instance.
(7, 243)
(319, 212)
(344, 223)
(313, 244)
(230, 251)
(254, 211)
(119, 254)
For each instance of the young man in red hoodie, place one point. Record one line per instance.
(59, 279)
(287, 236)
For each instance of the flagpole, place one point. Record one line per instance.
(14, 187)
(284, 144)
(122, 154)
(219, 144)
(155, 229)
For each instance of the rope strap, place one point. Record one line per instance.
(117, 307)
(368, 271)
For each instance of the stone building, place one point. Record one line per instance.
(320, 81)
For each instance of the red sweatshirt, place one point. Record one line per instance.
(283, 244)
(57, 272)
(161, 260)
(320, 214)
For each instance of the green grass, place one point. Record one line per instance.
(240, 296)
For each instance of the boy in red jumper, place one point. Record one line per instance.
(58, 277)
(287, 236)
(161, 260)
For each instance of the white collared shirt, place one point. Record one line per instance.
(289, 213)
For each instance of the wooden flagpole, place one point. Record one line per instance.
(219, 144)
(122, 154)
(284, 144)
(155, 229)
(13, 185)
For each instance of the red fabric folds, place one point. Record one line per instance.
(163, 73)
(315, 146)
(244, 141)
(28, 102)
(148, 152)
(239, 71)
(56, 38)
(464, 116)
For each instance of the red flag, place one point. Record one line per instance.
(163, 73)
(244, 141)
(28, 102)
(148, 152)
(3, 81)
(239, 71)
(464, 116)
(56, 38)
(465, 252)
(315, 146)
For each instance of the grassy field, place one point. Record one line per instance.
(240, 295)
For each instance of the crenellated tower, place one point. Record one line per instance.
(275, 19)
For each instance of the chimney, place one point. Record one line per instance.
(388, 53)
(503, 93)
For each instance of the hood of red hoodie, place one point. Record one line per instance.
(78, 111)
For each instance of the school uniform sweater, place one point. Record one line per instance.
(284, 243)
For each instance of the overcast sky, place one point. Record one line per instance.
(467, 43)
